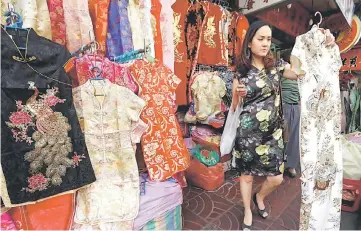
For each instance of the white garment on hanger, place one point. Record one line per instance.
(320, 128)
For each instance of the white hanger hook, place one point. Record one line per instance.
(318, 12)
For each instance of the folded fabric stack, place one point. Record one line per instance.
(160, 204)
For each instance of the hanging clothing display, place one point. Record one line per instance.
(157, 33)
(98, 10)
(166, 26)
(134, 15)
(242, 27)
(207, 92)
(321, 156)
(164, 150)
(180, 9)
(42, 144)
(58, 31)
(114, 72)
(193, 31)
(212, 37)
(119, 38)
(232, 30)
(146, 25)
(35, 14)
(79, 26)
(107, 113)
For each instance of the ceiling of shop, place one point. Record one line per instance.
(322, 5)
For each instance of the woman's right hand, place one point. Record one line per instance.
(239, 91)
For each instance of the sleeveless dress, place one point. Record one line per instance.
(259, 144)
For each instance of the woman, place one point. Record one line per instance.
(259, 144)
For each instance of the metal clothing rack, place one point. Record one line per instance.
(211, 68)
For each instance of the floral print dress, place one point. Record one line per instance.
(259, 144)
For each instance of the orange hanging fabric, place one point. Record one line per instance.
(180, 49)
(56, 12)
(212, 46)
(241, 30)
(98, 10)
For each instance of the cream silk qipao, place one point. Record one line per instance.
(107, 120)
(321, 156)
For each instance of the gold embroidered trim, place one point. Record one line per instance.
(24, 60)
(178, 57)
(209, 32)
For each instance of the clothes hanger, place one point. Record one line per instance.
(137, 54)
(14, 22)
(319, 23)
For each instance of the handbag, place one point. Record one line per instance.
(230, 130)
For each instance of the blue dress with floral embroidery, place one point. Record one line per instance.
(259, 143)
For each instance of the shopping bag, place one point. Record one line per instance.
(229, 131)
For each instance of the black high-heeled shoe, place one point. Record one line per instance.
(262, 212)
(246, 227)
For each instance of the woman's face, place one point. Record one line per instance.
(261, 42)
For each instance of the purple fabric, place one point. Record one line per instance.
(159, 198)
(119, 36)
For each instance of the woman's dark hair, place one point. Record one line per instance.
(244, 61)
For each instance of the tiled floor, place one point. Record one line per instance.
(222, 209)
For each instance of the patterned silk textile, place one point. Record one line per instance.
(43, 152)
(321, 156)
(79, 26)
(98, 10)
(116, 73)
(157, 33)
(180, 9)
(58, 30)
(212, 48)
(165, 153)
(119, 38)
(166, 26)
(108, 114)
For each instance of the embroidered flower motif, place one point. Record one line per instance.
(260, 83)
(277, 101)
(247, 122)
(50, 98)
(20, 121)
(19, 118)
(264, 159)
(37, 182)
(150, 149)
(282, 168)
(277, 134)
(262, 149)
(263, 126)
(247, 156)
(77, 159)
(263, 115)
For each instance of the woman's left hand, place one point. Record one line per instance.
(330, 39)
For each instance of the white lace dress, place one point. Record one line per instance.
(321, 156)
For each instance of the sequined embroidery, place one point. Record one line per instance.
(52, 143)
(209, 32)
(178, 57)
